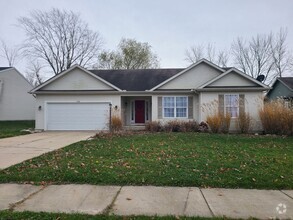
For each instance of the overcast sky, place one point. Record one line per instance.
(169, 26)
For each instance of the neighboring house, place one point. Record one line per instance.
(282, 89)
(15, 101)
(78, 99)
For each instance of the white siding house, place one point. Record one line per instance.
(15, 101)
(141, 96)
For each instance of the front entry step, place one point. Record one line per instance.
(135, 128)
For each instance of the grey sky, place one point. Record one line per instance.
(169, 26)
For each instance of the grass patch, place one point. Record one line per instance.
(13, 128)
(166, 159)
(62, 216)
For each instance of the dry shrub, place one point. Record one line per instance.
(173, 126)
(225, 123)
(154, 126)
(116, 121)
(276, 118)
(244, 122)
(214, 122)
(203, 127)
(189, 126)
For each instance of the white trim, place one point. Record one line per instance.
(188, 68)
(238, 72)
(68, 70)
(163, 108)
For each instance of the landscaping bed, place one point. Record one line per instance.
(165, 159)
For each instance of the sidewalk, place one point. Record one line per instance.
(148, 200)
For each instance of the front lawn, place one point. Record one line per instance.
(13, 128)
(166, 159)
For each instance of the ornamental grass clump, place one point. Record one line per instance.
(276, 118)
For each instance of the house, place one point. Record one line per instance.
(79, 99)
(282, 89)
(15, 101)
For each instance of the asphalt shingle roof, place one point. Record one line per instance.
(4, 68)
(136, 80)
(288, 81)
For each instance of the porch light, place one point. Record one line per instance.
(40, 108)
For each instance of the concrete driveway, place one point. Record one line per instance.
(18, 149)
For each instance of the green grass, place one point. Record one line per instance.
(13, 128)
(5, 215)
(166, 159)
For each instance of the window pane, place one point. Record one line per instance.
(181, 112)
(169, 102)
(233, 111)
(231, 100)
(181, 102)
(168, 112)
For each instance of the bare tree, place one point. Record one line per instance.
(59, 39)
(280, 54)
(195, 53)
(11, 54)
(33, 73)
(130, 54)
(265, 55)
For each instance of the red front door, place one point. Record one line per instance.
(139, 111)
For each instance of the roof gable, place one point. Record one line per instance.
(233, 78)
(76, 78)
(191, 77)
(287, 81)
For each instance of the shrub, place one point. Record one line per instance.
(225, 123)
(214, 121)
(189, 126)
(276, 118)
(244, 122)
(203, 127)
(116, 121)
(173, 126)
(154, 126)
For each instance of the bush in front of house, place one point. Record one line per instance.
(173, 126)
(244, 122)
(154, 126)
(276, 118)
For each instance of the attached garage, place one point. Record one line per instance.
(77, 116)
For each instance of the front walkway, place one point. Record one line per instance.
(14, 150)
(148, 200)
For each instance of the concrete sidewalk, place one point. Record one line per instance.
(148, 200)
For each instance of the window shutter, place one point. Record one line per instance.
(160, 109)
(190, 107)
(221, 104)
(241, 104)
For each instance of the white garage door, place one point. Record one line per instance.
(77, 116)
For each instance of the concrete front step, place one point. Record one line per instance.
(134, 128)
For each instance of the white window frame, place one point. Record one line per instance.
(175, 107)
(225, 107)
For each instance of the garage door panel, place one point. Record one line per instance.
(77, 116)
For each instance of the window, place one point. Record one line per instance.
(175, 107)
(232, 105)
